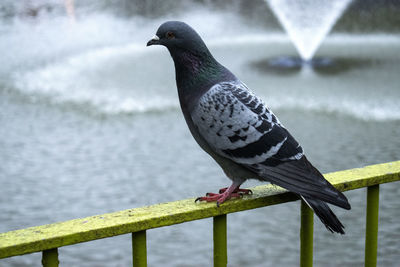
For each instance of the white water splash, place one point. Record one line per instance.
(112, 72)
(109, 80)
(307, 22)
(101, 62)
(88, 79)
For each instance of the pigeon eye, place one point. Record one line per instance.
(170, 35)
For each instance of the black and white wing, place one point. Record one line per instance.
(237, 125)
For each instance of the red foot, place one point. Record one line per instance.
(239, 190)
(224, 194)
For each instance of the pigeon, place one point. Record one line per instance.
(238, 130)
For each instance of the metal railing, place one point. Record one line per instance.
(48, 238)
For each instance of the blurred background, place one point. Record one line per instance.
(90, 120)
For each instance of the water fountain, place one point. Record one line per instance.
(307, 23)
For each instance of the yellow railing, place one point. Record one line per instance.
(47, 238)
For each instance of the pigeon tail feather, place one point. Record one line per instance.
(299, 176)
(326, 215)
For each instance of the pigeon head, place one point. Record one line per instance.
(195, 67)
(178, 36)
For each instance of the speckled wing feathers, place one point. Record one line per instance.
(239, 126)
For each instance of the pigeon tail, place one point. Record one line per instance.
(301, 177)
(325, 214)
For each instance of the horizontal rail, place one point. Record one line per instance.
(56, 235)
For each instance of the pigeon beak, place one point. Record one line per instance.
(154, 41)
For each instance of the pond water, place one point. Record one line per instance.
(90, 123)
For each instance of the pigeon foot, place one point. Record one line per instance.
(224, 194)
(239, 190)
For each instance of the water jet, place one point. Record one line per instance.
(307, 23)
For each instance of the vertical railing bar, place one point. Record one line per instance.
(220, 241)
(306, 235)
(371, 232)
(50, 258)
(139, 249)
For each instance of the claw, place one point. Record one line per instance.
(239, 190)
(225, 194)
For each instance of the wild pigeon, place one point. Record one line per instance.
(238, 130)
